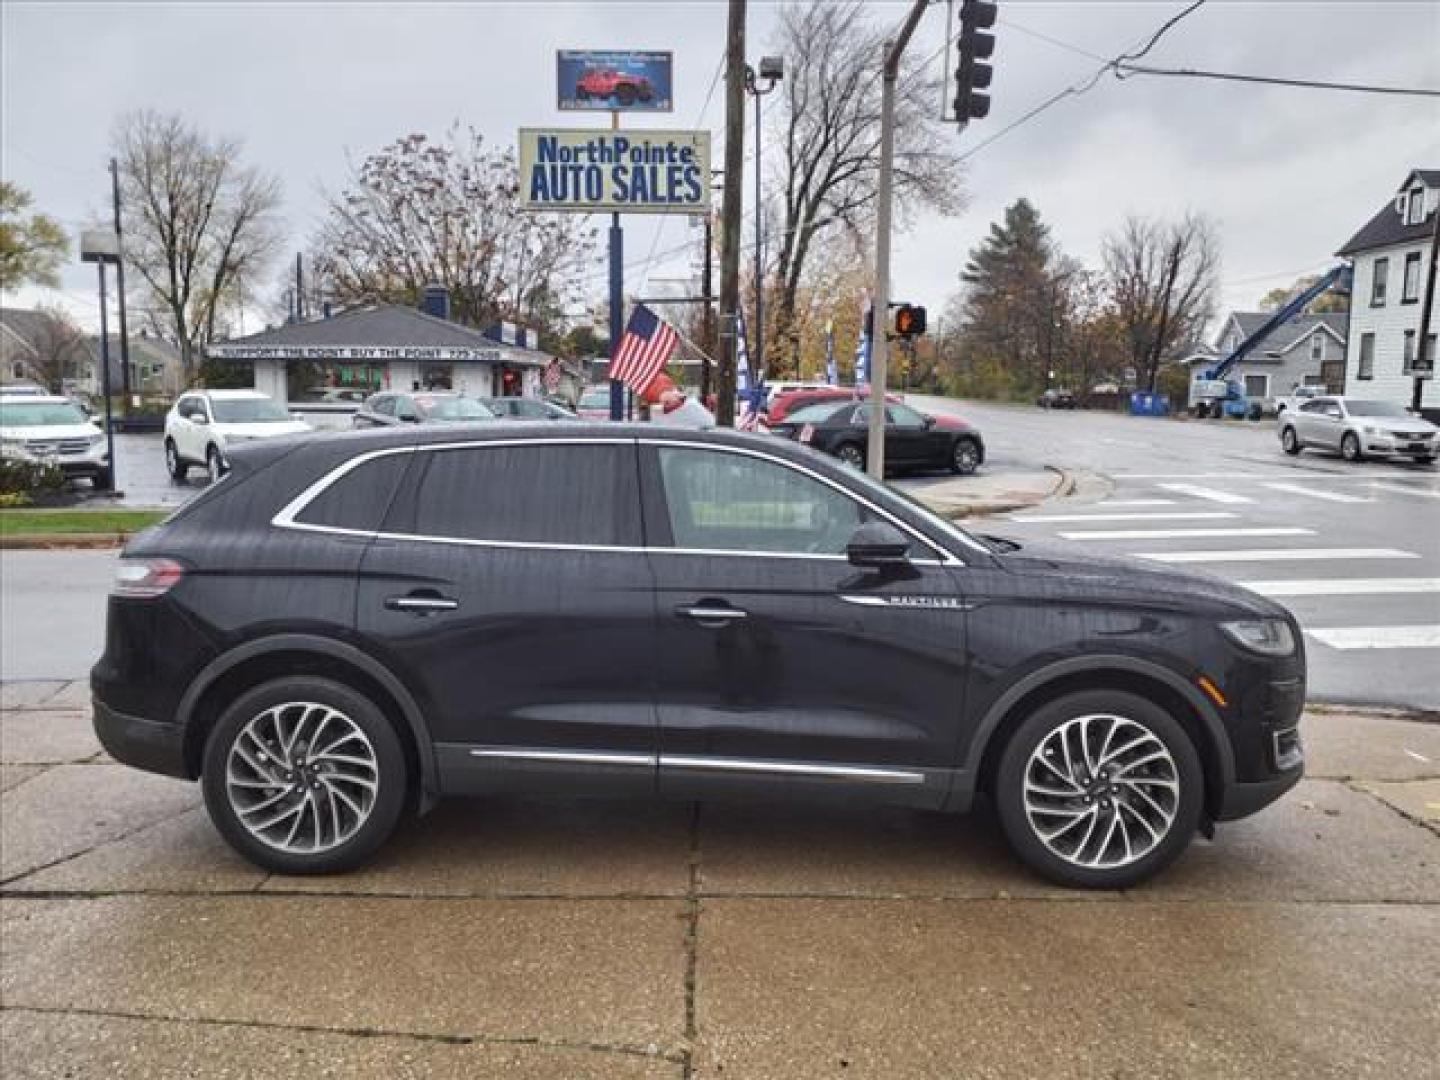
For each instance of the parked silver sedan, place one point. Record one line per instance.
(1357, 428)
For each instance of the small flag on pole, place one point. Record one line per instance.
(862, 351)
(645, 348)
(831, 375)
(742, 354)
(552, 375)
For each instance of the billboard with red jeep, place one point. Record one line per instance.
(592, 80)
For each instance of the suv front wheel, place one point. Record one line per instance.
(1099, 789)
(304, 775)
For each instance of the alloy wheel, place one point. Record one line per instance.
(851, 454)
(967, 460)
(302, 777)
(1101, 791)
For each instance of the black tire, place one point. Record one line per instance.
(1290, 442)
(1184, 765)
(1350, 447)
(851, 454)
(174, 465)
(214, 464)
(389, 798)
(964, 457)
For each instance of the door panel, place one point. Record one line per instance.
(531, 653)
(796, 674)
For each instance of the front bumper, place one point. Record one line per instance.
(144, 744)
(1390, 446)
(1243, 799)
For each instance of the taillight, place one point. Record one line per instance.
(146, 578)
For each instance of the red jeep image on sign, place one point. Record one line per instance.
(625, 86)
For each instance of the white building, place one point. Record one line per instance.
(1390, 256)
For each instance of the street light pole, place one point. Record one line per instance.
(880, 341)
(120, 286)
(772, 69)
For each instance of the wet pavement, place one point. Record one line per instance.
(510, 937)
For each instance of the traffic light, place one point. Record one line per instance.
(909, 321)
(973, 74)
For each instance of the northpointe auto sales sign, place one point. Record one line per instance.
(645, 172)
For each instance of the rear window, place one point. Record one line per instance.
(360, 498)
(584, 494)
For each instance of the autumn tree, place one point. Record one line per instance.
(32, 246)
(421, 212)
(1327, 301)
(197, 223)
(828, 120)
(1163, 278)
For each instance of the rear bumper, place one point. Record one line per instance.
(144, 744)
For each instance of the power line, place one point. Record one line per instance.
(1124, 70)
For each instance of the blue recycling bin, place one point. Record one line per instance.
(1143, 404)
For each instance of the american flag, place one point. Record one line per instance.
(551, 378)
(644, 350)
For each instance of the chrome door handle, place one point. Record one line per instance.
(711, 614)
(421, 605)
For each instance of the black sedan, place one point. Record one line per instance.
(912, 439)
(388, 408)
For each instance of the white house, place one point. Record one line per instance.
(1390, 255)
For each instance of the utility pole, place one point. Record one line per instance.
(733, 206)
(120, 287)
(299, 288)
(880, 342)
(1424, 357)
(707, 316)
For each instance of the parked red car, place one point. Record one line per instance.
(624, 86)
(782, 405)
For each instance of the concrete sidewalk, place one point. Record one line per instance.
(1000, 491)
(511, 937)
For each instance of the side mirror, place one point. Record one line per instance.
(878, 545)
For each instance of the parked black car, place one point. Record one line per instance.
(912, 440)
(522, 408)
(391, 407)
(1056, 399)
(345, 629)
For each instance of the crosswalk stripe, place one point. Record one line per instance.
(1404, 490)
(1137, 502)
(1330, 496)
(1276, 555)
(1182, 534)
(1211, 494)
(1344, 586)
(1346, 638)
(1205, 515)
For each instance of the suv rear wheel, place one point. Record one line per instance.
(1099, 789)
(304, 775)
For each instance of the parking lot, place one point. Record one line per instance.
(519, 938)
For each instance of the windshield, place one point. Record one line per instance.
(453, 408)
(247, 411)
(817, 414)
(39, 414)
(1376, 408)
(596, 399)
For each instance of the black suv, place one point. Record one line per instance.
(346, 629)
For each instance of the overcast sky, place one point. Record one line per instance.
(1288, 174)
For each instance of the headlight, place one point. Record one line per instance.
(96, 440)
(1269, 637)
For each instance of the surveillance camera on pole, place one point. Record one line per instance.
(973, 74)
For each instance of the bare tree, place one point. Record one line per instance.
(419, 212)
(197, 222)
(59, 345)
(1163, 281)
(830, 123)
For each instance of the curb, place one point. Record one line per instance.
(62, 541)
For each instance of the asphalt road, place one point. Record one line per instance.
(1352, 550)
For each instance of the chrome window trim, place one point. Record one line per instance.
(286, 517)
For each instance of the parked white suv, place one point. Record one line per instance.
(43, 427)
(203, 424)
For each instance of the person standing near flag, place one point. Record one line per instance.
(670, 407)
(646, 347)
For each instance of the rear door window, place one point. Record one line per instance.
(584, 494)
